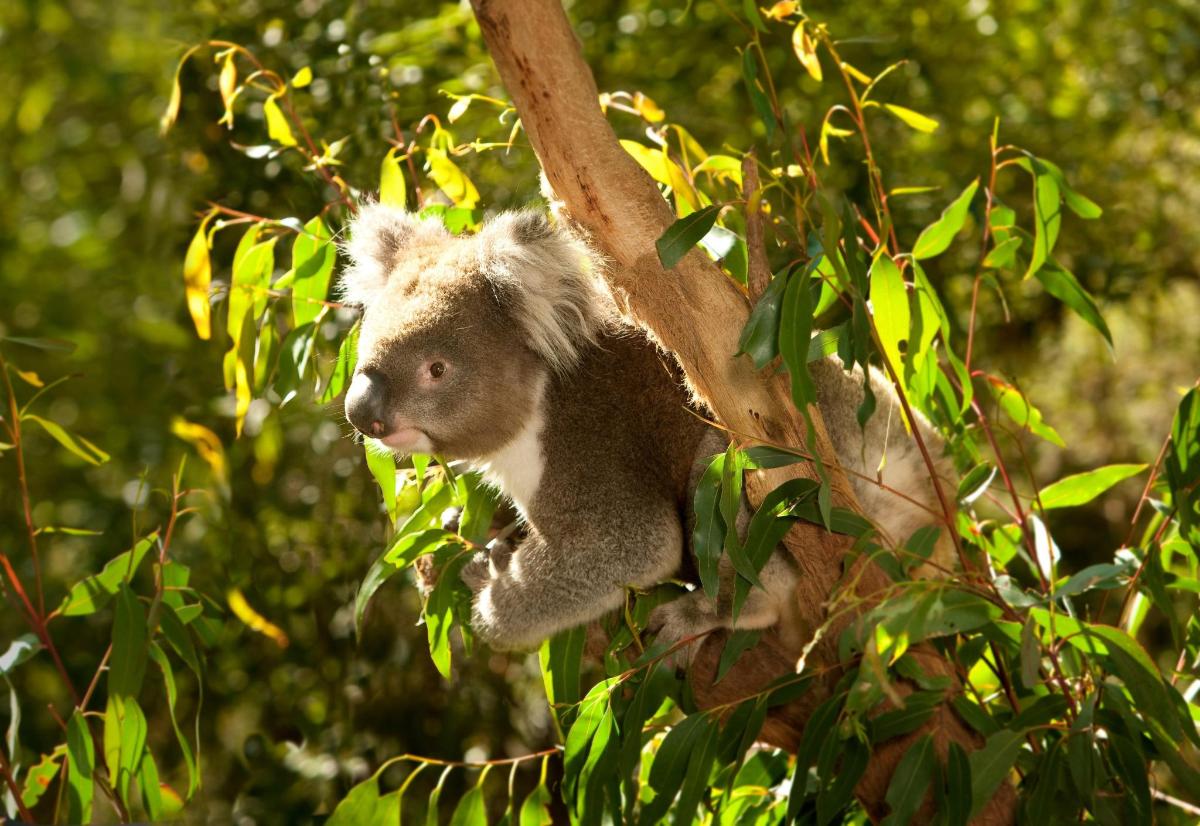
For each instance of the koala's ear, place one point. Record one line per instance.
(379, 236)
(545, 278)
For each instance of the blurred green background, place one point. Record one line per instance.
(98, 209)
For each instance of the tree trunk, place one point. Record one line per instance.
(696, 312)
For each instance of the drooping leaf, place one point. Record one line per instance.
(313, 256)
(252, 619)
(889, 309)
(1067, 289)
(365, 805)
(1020, 410)
(1047, 217)
(1182, 464)
(197, 278)
(78, 445)
(124, 741)
(806, 51)
(910, 781)
(452, 180)
(470, 810)
(129, 645)
(81, 764)
(347, 358)
(708, 535)
(935, 238)
(40, 775)
(278, 128)
(991, 764)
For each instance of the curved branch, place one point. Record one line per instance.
(697, 313)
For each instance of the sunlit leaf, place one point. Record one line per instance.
(935, 238)
(253, 620)
(302, 78)
(278, 128)
(78, 445)
(94, 592)
(1082, 488)
(922, 123)
(40, 775)
(1019, 409)
(197, 278)
(452, 180)
(124, 741)
(313, 256)
(890, 310)
(1066, 288)
(393, 191)
(806, 51)
(81, 764)
(130, 641)
(206, 443)
(172, 111)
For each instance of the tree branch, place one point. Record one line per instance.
(697, 313)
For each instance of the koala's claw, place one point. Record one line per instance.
(477, 572)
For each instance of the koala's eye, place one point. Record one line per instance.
(437, 369)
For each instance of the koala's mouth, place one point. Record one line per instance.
(407, 440)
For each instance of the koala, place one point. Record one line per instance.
(505, 350)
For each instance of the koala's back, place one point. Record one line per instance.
(619, 427)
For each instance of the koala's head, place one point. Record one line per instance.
(459, 333)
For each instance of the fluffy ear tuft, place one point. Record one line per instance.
(548, 279)
(379, 236)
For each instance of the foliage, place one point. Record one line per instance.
(1071, 704)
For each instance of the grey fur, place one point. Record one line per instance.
(529, 335)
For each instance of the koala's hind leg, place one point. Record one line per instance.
(560, 579)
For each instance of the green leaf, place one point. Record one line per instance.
(922, 123)
(918, 709)
(836, 795)
(1047, 216)
(592, 713)
(535, 810)
(958, 786)
(439, 611)
(150, 787)
(759, 338)
(1004, 254)
(1063, 286)
(93, 593)
(78, 445)
(935, 238)
(313, 256)
(754, 88)
(684, 234)
(382, 464)
(189, 759)
(60, 345)
(344, 369)
(739, 643)
(41, 775)
(470, 810)
(708, 535)
(81, 764)
(1183, 465)
(1081, 488)
(253, 263)
(124, 741)
(1020, 410)
(129, 645)
(991, 764)
(401, 554)
(889, 309)
(910, 780)
(451, 180)
(364, 805)
(795, 332)
(688, 744)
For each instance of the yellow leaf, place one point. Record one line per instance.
(227, 82)
(197, 276)
(172, 112)
(647, 108)
(781, 10)
(806, 50)
(302, 78)
(916, 120)
(651, 160)
(31, 378)
(855, 73)
(277, 125)
(254, 620)
(392, 189)
(452, 180)
(206, 443)
(242, 391)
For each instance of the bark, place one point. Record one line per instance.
(696, 312)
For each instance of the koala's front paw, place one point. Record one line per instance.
(691, 616)
(477, 572)
(427, 574)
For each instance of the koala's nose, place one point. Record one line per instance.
(365, 405)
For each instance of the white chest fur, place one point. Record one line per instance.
(516, 469)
